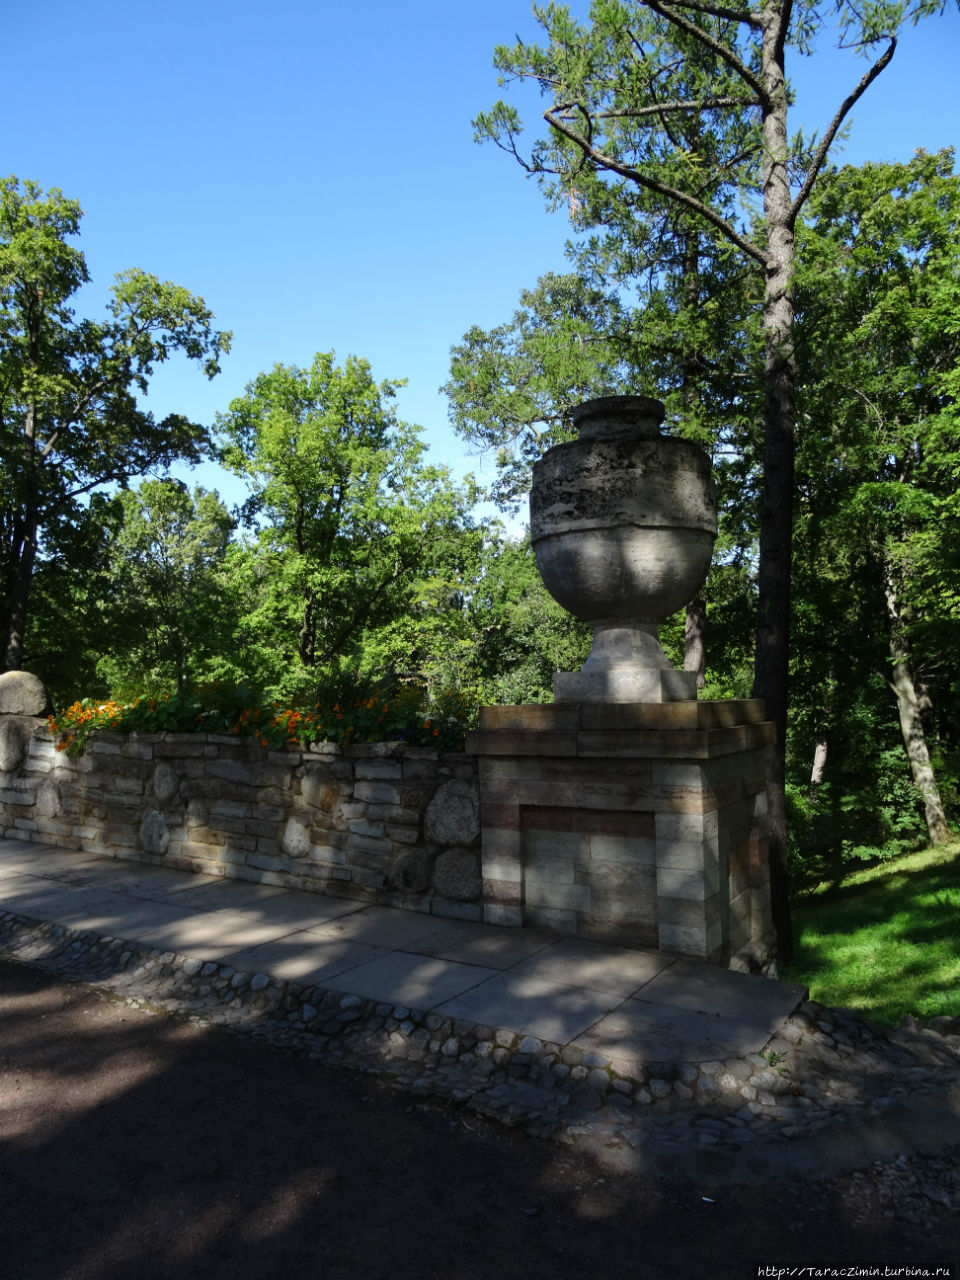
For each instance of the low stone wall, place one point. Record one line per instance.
(385, 822)
(642, 825)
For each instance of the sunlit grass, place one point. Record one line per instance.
(887, 941)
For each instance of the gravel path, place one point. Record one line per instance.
(141, 1146)
(830, 1092)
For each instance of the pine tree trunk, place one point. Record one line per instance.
(695, 622)
(307, 639)
(910, 710)
(776, 500)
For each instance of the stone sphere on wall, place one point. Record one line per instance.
(456, 875)
(453, 814)
(22, 694)
(154, 835)
(320, 790)
(410, 871)
(165, 781)
(48, 799)
(295, 840)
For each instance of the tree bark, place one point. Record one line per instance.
(910, 710)
(694, 640)
(819, 761)
(17, 616)
(776, 501)
(307, 639)
(695, 622)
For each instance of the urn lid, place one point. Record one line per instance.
(627, 417)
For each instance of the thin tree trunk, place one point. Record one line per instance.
(694, 640)
(910, 710)
(307, 639)
(695, 622)
(819, 760)
(17, 626)
(776, 501)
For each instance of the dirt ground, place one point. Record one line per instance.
(135, 1146)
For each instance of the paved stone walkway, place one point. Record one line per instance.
(646, 1056)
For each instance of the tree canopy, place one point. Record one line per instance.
(343, 511)
(70, 421)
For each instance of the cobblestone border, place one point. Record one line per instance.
(823, 1061)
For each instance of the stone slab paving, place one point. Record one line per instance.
(531, 1005)
(400, 978)
(649, 1032)
(642, 1055)
(525, 980)
(300, 957)
(580, 963)
(480, 944)
(379, 927)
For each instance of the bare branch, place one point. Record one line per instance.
(783, 26)
(511, 150)
(817, 162)
(707, 104)
(706, 39)
(728, 165)
(731, 15)
(652, 184)
(81, 407)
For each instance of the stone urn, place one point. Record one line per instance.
(623, 522)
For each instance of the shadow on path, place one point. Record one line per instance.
(134, 1146)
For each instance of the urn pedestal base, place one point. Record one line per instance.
(626, 664)
(640, 824)
(624, 684)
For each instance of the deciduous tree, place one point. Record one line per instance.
(169, 619)
(343, 510)
(879, 516)
(69, 417)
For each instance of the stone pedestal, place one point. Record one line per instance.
(640, 824)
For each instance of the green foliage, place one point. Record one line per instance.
(878, 520)
(887, 942)
(511, 388)
(345, 517)
(70, 617)
(169, 614)
(522, 634)
(866, 817)
(69, 419)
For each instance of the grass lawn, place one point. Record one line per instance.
(886, 942)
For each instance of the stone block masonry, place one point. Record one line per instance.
(641, 824)
(383, 823)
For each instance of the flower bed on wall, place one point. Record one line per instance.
(404, 717)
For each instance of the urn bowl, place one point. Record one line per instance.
(623, 520)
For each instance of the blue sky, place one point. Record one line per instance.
(309, 169)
